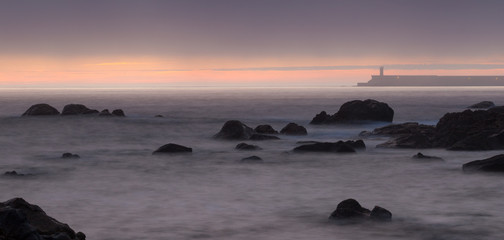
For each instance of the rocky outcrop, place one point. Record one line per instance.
(483, 104)
(350, 209)
(41, 109)
(24, 221)
(172, 148)
(77, 109)
(247, 147)
(69, 155)
(265, 129)
(335, 147)
(493, 164)
(357, 111)
(293, 129)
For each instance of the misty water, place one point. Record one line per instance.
(119, 190)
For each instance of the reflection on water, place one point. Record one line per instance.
(118, 190)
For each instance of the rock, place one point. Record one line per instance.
(105, 113)
(23, 220)
(401, 129)
(13, 173)
(69, 155)
(118, 113)
(235, 130)
(357, 144)
(265, 129)
(260, 137)
(247, 147)
(293, 129)
(172, 148)
(380, 214)
(41, 109)
(350, 209)
(408, 141)
(483, 104)
(357, 111)
(159, 116)
(336, 147)
(493, 164)
(77, 109)
(422, 156)
(252, 159)
(80, 236)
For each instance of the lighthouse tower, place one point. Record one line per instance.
(381, 71)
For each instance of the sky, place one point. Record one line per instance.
(157, 43)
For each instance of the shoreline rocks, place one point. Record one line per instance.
(22, 220)
(357, 111)
(43, 109)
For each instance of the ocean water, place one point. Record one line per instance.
(119, 190)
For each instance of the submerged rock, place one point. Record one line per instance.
(41, 109)
(357, 111)
(13, 173)
(422, 156)
(350, 209)
(247, 147)
(235, 130)
(483, 104)
(69, 155)
(336, 147)
(493, 164)
(293, 129)
(261, 137)
(265, 129)
(77, 109)
(22, 220)
(252, 159)
(172, 148)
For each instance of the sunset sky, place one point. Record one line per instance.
(155, 43)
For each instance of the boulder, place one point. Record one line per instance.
(422, 156)
(69, 155)
(77, 109)
(172, 148)
(252, 159)
(41, 109)
(293, 129)
(493, 164)
(265, 129)
(235, 130)
(350, 209)
(357, 111)
(483, 104)
(22, 220)
(118, 113)
(336, 147)
(247, 147)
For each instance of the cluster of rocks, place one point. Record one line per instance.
(43, 109)
(357, 111)
(350, 209)
(20, 220)
(236, 130)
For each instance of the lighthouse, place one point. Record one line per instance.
(381, 71)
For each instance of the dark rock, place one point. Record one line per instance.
(265, 129)
(349, 209)
(293, 129)
(406, 128)
(248, 147)
(172, 148)
(69, 155)
(159, 116)
(483, 104)
(105, 113)
(252, 159)
(77, 109)
(235, 130)
(408, 141)
(380, 214)
(13, 173)
(357, 144)
(118, 113)
(80, 236)
(357, 111)
(493, 164)
(260, 137)
(422, 156)
(337, 147)
(41, 109)
(34, 219)
(486, 140)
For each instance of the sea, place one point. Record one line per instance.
(118, 190)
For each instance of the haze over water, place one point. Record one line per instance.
(118, 190)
